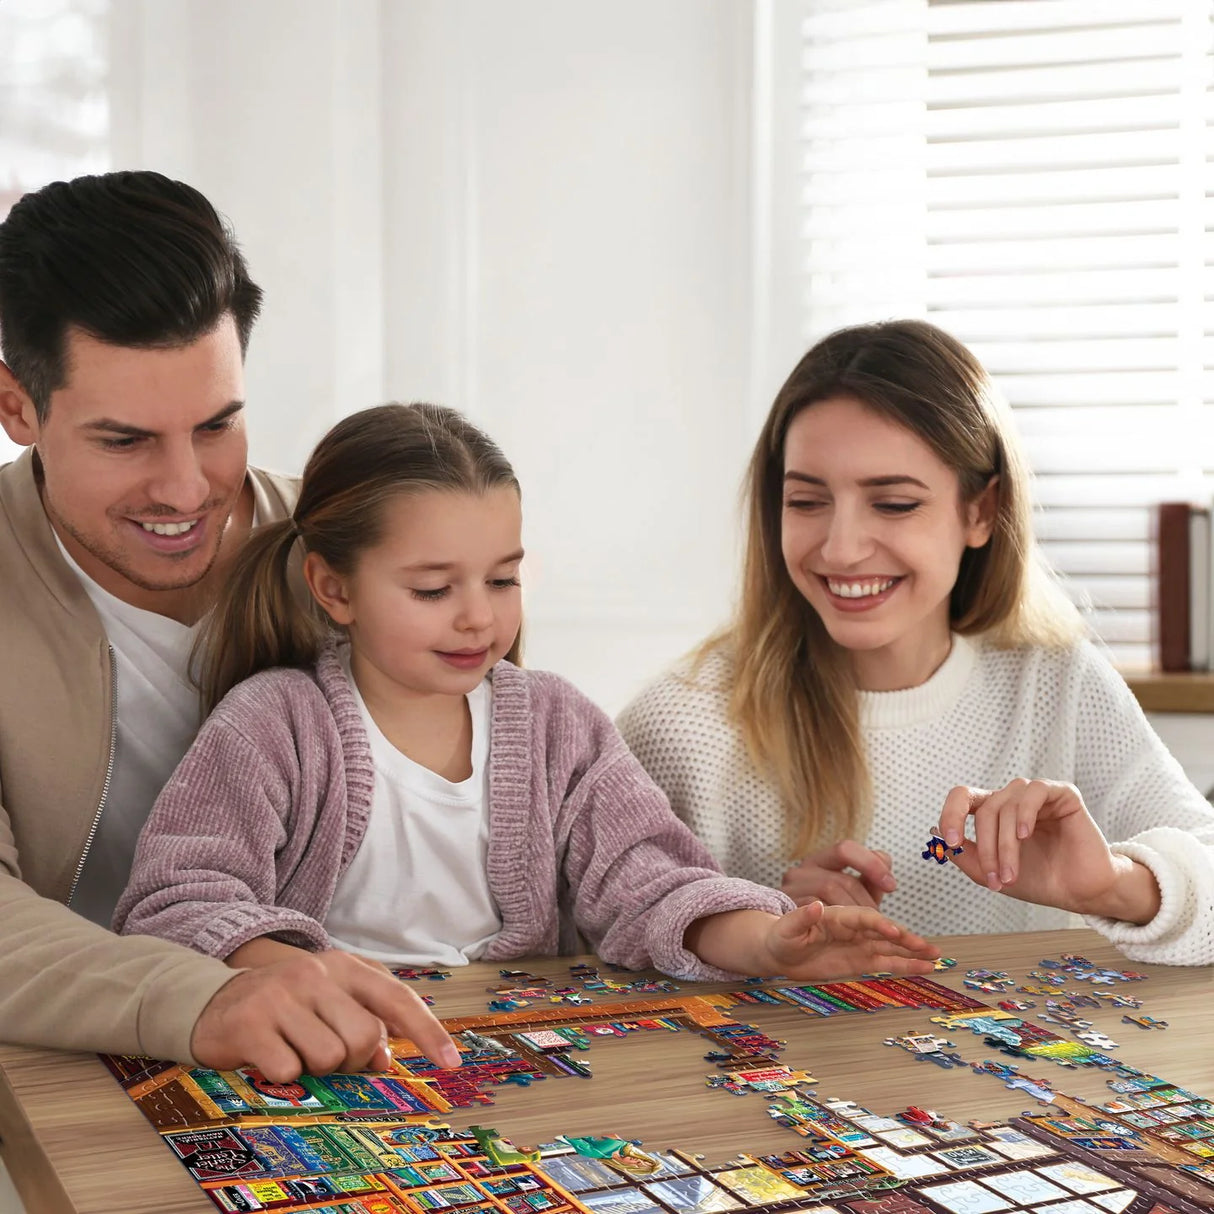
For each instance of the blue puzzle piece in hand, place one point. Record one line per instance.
(939, 851)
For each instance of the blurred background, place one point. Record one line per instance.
(607, 231)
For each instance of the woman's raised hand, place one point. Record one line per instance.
(844, 874)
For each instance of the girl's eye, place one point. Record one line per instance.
(504, 583)
(897, 507)
(803, 504)
(430, 596)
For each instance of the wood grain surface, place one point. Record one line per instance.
(74, 1142)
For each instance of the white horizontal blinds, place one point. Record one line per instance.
(54, 92)
(54, 99)
(864, 183)
(1204, 223)
(1065, 157)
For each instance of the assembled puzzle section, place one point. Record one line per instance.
(375, 1144)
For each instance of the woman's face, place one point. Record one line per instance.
(872, 531)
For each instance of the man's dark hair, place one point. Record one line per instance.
(130, 258)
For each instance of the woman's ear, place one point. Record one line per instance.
(328, 589)
(980, 515)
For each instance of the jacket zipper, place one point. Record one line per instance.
(109, 774)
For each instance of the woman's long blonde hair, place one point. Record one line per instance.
(365, 461)
(793, 694)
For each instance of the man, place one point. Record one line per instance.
(125, 313)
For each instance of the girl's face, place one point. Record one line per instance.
(432, 606)
(872, 531)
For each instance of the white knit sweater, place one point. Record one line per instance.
(987, 716)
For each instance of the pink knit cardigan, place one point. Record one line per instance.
(267, 809)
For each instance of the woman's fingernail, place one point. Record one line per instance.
(992, 879)
(1022, 831)
(888, 884)
(1009, 875)
(952, 838)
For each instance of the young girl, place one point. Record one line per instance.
(896, 635)
(379, 776)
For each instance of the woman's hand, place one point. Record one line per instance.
(845, 874)
(1035, 840)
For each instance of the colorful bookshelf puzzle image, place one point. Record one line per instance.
(380, 1143)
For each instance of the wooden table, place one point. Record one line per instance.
(74, 1142)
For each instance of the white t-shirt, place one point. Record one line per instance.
(158, 714)
(417, 889)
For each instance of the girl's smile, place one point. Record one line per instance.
(465, 659)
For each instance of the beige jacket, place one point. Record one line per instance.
(65, 982)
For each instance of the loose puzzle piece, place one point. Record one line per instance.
(1096, 1039)
(945, 1059)
(1145, 1022)
(936, 849)
(920, 1043)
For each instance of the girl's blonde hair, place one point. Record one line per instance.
(793, 695)
(367, 460)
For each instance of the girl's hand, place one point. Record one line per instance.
(847, 874)
(1036, 841)
(816, 942)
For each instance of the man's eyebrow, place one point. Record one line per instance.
(871, 482)
(108, 425)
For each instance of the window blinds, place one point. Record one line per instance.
(1036, 177)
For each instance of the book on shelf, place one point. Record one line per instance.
(1184, 603)
(1199, 588)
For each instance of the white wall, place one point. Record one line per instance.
(535, 211)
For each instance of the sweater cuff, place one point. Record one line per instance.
(1172, 890)
(710, 896)
(222, 934)
(173, 999)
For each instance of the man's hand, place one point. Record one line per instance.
(318, 1013)
(845, 874)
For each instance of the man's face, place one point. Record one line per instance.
(144, 454)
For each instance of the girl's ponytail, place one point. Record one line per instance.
(259, 621)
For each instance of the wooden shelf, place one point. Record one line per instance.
(1158, 692)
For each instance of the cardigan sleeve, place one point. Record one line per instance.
(637, 875)
(206, 868)
(1149, 811)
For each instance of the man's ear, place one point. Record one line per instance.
(328, 589)
(17, 413)
(980, 515)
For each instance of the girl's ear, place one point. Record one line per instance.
(328, 589)
(980, 515)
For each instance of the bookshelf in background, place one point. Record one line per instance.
(1191, 692)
